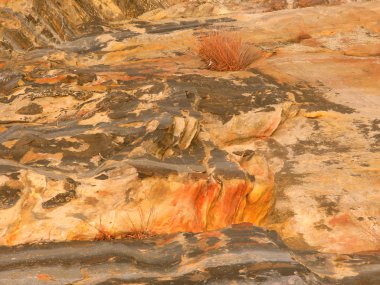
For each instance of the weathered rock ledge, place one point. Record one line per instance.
(118, 130)
(241, 254)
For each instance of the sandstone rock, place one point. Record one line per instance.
(31, 109)
(240, 253)
(31, 24)
(308, 3)
(115, 129)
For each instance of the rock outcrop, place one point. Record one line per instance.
(113, 128)
(26, 25)
(241, 254)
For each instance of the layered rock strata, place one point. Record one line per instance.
(122, 132)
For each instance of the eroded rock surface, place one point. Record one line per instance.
(121, 131)
(241, 254)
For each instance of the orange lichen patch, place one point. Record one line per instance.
(44, 277)
(51, 80)
(31, 156)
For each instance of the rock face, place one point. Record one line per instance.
(113, 128)
(142, 157)
(31, 24)
(241, 254)
(27, 24)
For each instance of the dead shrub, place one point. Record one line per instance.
(225, 51)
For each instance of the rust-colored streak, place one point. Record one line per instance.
(341, 220)
(202, 203)
(119, 76)
(224, 208)
(44, 277)
(50, 80)
(258, 211)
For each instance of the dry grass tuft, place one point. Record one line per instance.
(140, 230)
(225, 51)
(104, 234)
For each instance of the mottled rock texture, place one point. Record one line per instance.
(241, 254)
(112, 127)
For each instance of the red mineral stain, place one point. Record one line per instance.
(341, 220)
(224, 209)
(203, 205)
(50, 80)
(104, 193)
(129, 78)
(203, 201)
(44, 277)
